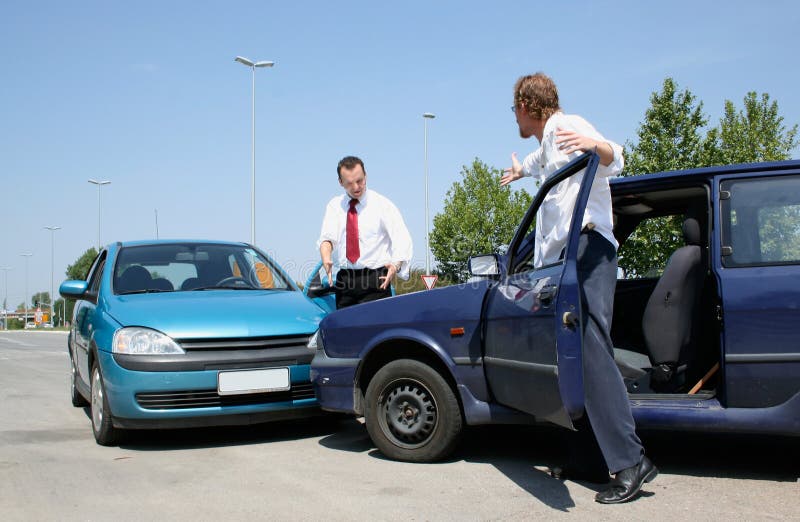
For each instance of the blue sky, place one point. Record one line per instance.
(146, 94)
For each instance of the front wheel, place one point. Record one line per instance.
(104, 431)
(412, 413)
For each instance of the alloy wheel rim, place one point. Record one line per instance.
(97, 400)
(408, 413)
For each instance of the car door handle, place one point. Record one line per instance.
(570, 319)
(546, 294)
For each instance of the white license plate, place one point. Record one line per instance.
(253, 381)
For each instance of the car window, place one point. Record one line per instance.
(761, 221)
(96, 274)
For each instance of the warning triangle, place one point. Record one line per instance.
(429, 280)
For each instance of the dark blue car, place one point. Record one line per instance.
(708, 341)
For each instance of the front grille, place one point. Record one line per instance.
(249, 343)
(210, 398)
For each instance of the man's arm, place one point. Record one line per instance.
(325, 250)
(569, 141)
(401, 248)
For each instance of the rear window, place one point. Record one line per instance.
(761, 221)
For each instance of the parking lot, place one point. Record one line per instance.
(51, 468)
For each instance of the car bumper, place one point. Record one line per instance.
(142, 399)
(334, 383)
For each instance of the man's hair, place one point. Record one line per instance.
(349, 162)
(539, 95)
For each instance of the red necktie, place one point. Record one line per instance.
(353, 252)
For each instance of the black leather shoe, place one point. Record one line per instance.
(628, 483)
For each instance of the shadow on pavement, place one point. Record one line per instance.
(525, 454)
(222, 436)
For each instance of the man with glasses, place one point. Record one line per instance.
(563, 137)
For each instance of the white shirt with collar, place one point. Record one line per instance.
(383, 237)
(554, 216)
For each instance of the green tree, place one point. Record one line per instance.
(755, 133)
(80, 269)
(478, 217)
(670, 138)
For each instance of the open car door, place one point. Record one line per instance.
(533, 337)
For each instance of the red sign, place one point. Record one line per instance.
(429, 280)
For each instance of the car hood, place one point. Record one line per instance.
(442, 304)
(218, 313)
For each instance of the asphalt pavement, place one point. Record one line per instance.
(51, 468)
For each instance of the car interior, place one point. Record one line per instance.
(167, 268)
(665, 331)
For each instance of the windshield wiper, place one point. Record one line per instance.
(144, 291)
(215, 287)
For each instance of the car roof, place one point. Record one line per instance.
(151, 242)
(765, 167)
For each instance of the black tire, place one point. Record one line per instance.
(104, 431)
(412, 413)
(78, 400)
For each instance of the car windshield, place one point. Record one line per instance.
(174, 267)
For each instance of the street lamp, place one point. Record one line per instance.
(427, 116)
(26, 256)
(52, 255)
(5, 300)
(253, 65)
(99, 213)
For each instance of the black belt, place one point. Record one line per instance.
(361, 271)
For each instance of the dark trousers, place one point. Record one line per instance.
(606, 398)
(354, 286)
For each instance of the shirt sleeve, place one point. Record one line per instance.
(582, 126)
(329, 230)
(530, 165)
(401, 245)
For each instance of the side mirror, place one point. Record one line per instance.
(73, 289)
(484, 265)
(319, 291)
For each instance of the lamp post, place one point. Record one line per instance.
(5, 300)
(427, 116)
(26, 256)
(99, 212)
(253, 65)
(52, 230)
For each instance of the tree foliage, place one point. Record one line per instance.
(674, 136)
(478, 217)
(670, 136)
(755, 133)
(80, 269)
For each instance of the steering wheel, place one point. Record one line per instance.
(234, 280)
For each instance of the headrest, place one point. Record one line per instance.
(691, 231)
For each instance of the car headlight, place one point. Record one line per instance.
(315, 342)
(143, 341)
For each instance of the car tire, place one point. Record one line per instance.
(412, 413)
(104, 431)
(78, 400)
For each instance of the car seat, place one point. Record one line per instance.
(191, 283)
(670, 316)
(161, 283)
(134, 278)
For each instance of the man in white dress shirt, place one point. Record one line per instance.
(562, 138)
(364, 236)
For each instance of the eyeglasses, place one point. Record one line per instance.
(513, 108)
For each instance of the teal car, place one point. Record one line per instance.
(176, 334)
